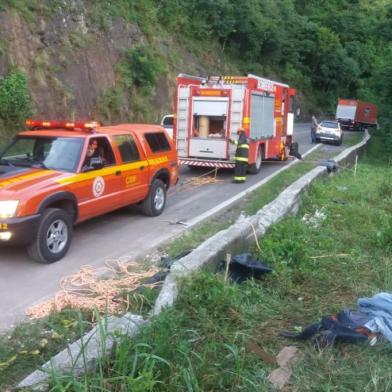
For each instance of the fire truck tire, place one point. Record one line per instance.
(155, 202)
(254, 168)
(53, 238)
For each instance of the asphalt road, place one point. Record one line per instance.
(123, 233)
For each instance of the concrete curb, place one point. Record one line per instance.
(83, 354)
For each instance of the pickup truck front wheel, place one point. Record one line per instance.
(155, 202)
(53, 237)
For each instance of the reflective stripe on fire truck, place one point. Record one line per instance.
(218, 164)
(29, 176)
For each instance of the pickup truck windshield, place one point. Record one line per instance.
(56, 153)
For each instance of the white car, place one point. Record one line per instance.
(167, 123)
(329, 131)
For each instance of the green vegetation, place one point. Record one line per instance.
(31, 344)
(140, 67)
(15, 100)
(137, 71)
(326, 49)
(206, 341)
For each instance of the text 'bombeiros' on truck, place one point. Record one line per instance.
(58, 173)
(208, 112)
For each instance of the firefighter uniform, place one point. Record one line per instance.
(241, 157)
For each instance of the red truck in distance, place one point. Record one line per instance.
(356, 115)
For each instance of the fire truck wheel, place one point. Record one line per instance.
(254, 168)
(155, 202)
(54, 236)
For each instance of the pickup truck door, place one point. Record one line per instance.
(134, 169)
(98, 190)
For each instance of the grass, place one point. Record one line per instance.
(201, 344)
(31, 344)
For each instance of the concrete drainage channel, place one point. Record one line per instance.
(81, 355)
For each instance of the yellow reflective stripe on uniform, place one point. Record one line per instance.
(244, 146)
(237, 178)
(24, 177)
(241, 159)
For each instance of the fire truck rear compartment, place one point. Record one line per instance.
(209, 126)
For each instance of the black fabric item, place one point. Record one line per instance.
(327, 332)
(244, 266)
(343, 333)
(167, 261)
(306, 334)
(158, 277)
(331, 165)
(353, 319)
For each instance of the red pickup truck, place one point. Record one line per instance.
(57, 174)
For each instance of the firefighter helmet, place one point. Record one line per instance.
(240, 129)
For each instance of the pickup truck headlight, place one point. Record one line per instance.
(8, 208)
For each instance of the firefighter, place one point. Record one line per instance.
(241, 157)
(93, 151)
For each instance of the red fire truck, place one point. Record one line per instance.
(208, 112)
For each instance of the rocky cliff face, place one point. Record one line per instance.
(70, 63)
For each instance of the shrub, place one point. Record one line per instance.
(15, 100)
(140, 67)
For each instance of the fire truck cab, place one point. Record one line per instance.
(208, 112)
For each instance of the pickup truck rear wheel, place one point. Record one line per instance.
(155, 202)
(54, 236)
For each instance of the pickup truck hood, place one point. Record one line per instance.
(327, 130)
(14, 180)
